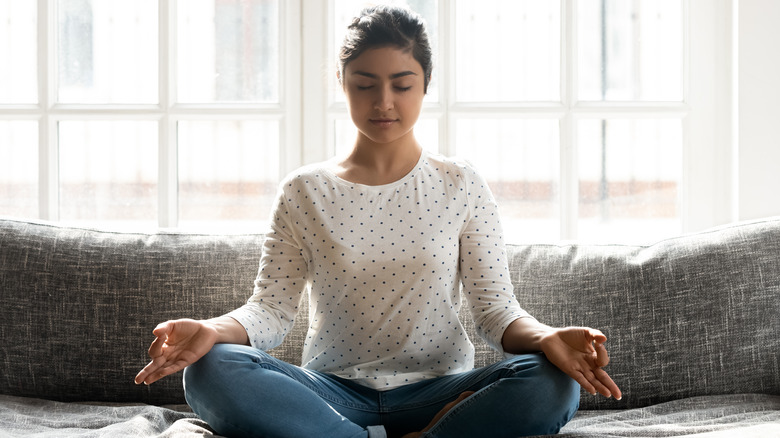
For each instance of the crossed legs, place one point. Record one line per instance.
(241, 391)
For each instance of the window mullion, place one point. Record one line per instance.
(447, 76)
(167, 180)
(709, 195)
(291, 63)
(569, 175)
(317, 142)
(48, 157)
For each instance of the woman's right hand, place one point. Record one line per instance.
(177, 344)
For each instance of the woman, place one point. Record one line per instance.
(382, 241)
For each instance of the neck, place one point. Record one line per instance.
(372, 163)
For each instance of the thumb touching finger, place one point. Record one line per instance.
(602, 357)
(163, 329)
(596, 336)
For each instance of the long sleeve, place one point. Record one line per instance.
(270, 312)
(484, 267)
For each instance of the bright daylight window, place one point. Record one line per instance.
(174, 113)
(142, 117)
(577, 123)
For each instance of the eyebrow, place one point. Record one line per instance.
(392, 76)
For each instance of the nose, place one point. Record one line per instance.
(384, 99)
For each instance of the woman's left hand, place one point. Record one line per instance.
(580, 353)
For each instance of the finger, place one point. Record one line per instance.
(597, 384)
(580, 378)
(596, 336)
(610, 384)
(165, 371)
(602, 357)
(139, 378)
(156, 363)
(161, 333)
(145, 372)
(163, 329)
(155, 350)
(151, 373)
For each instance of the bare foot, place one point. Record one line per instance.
(440, 414)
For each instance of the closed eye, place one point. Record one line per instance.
(368, 87)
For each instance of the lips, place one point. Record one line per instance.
(382, 122)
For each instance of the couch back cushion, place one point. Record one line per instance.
(78, 305)
(693, 315)
(689, 316)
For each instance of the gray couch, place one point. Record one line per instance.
(693, 325)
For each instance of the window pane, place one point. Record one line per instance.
(346, 10)
(426, 131)
(19, 168)
(228, 171)
(107, 51)
(228, 51)
(108, 171)
(520, 160)
(630, 50)
(508, 50)
(630, 176)
(18, 52)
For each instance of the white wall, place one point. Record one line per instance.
(759, 108)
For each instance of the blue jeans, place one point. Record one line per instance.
(241, 391)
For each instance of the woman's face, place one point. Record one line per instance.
(385, 90)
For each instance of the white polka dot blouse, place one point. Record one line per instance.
(383, 267)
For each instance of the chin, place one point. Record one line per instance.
(384, 137)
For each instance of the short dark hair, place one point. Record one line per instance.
(383, 26)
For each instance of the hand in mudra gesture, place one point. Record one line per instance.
(177, 344)
(580, 353)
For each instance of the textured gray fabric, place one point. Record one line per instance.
(712, 416)
(739, 415)
(79, 305)
(30, 417)
(687, 317)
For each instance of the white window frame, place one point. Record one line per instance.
(709, 178)
(306, 110)
(167, 113)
